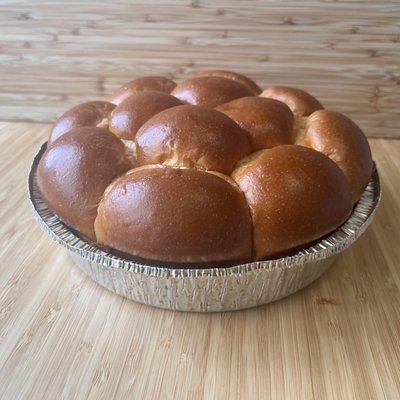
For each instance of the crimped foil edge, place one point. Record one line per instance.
(335, 243)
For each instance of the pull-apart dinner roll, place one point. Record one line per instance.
(75, 170)
(143, 84)
(267, 122)
(234, 76)
(175, 215)
(300, 102)
(210, 91)
(296, 195)
(338, 137)
(92, 113)
(133, 112)
(192, 136)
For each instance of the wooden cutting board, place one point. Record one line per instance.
(64, 337)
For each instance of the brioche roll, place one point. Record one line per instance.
(234, 76)
(75, 170)
(300, 102)
(133, 112)
(192, 136)
(92, 113)
(296, 195)
(175, 215)
(338, 137)
(267, 122)
(210, 91)
(143, 84)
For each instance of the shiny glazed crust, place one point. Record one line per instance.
(210, 91)
(234, 76)
(74, 172)
(92, 113)
(229, 177)
(267, 122)
(134, 111)
(175, 215)
(296, 195)
(193, 137)
(143, 84)
(338, 137)
(300, 102)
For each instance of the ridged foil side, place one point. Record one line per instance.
(212, 289)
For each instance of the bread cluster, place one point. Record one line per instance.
(212, 169)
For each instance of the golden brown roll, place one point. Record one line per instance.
(175, 215)
(343, 141)
(152, 183)
(300, 102)
(210, 91)
(92, 113)
(74, 172)
(296, 195)
(192, 136)
(268, 122)
(143, 84)
(134, 111)
(234, 76)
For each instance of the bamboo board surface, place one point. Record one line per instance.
(61, 53)
(64, 337)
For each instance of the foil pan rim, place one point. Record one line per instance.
(333, 244)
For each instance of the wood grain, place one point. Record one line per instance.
(56, 54)
(64, 337)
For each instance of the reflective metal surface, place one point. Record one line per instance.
(211, 289)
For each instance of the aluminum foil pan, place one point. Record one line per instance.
(212, 289)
